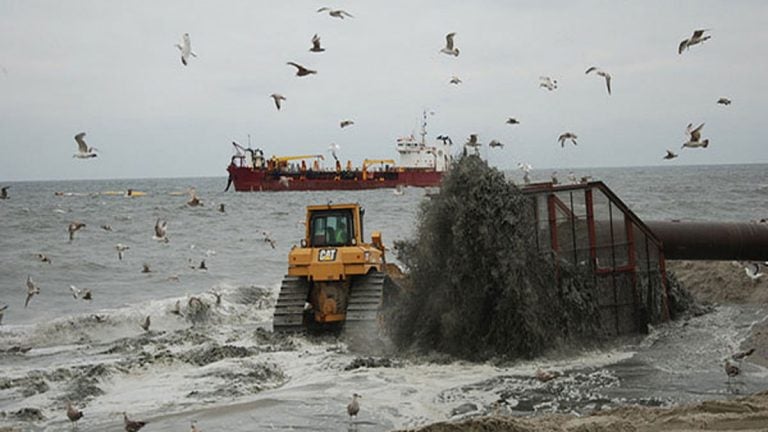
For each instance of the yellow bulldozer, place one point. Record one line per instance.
(335, 279)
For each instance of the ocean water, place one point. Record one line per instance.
(226, 370)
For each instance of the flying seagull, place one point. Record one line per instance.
(354, 407)
(301, 70)
(278, 99)
(741, 355)
(526, 169)
(697, 38)
(186, 49)
(567, 136)
(145, 324)
(120, 249)
(268, 239)
(316, 44)
(285, 181)
(495, 143)
(603, 74)
(161, 229)
(455, 80)
(43, 258)
(472, 141)
(345, 123)
(83, 151)
(670, 155)
(694, 137)
(32, 289)
(333, 148)
(513, 121)
(75, 291)
(445, 139)
(449, 48)
(336, 13)
(73, 228)
(548, 83)
(724, 101)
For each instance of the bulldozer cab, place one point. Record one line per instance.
(334, 225)
(332, 228)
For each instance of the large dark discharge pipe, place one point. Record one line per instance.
(717, 241)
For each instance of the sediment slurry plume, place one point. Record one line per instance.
(476, 285)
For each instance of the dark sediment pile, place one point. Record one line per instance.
(476, 286)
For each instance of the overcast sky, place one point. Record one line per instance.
(110, 68)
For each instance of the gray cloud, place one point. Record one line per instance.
(110, 69)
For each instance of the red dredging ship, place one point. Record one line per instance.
(420, 165)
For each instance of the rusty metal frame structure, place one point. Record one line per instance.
(631, 278)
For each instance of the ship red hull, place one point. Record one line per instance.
(246, 179)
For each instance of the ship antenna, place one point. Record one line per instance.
(424, 128)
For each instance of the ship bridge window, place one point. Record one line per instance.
(332, 228)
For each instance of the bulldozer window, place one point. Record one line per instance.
(332, 229)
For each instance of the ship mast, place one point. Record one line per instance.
(423, 132)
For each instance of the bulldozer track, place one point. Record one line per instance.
(289, 309)
(361, 327)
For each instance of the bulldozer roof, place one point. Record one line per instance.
(330, 206)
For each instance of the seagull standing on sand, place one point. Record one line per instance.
(4, 192)
(186, 49)
(694, 137)
(161, 229)
(316, 44)
(603, 74)
(354, 407)
(449, 48)
(83, 151)
(731, 369)
(73, 414)
(697, 38)
(724, 101)
(278, 99)
(132, 425)
(301, 70)
(145, 324)
(670, 155)
(73, 228)
(32, 289)
(567, 136)
(548, 83)
(120, 249)
(336, 13)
